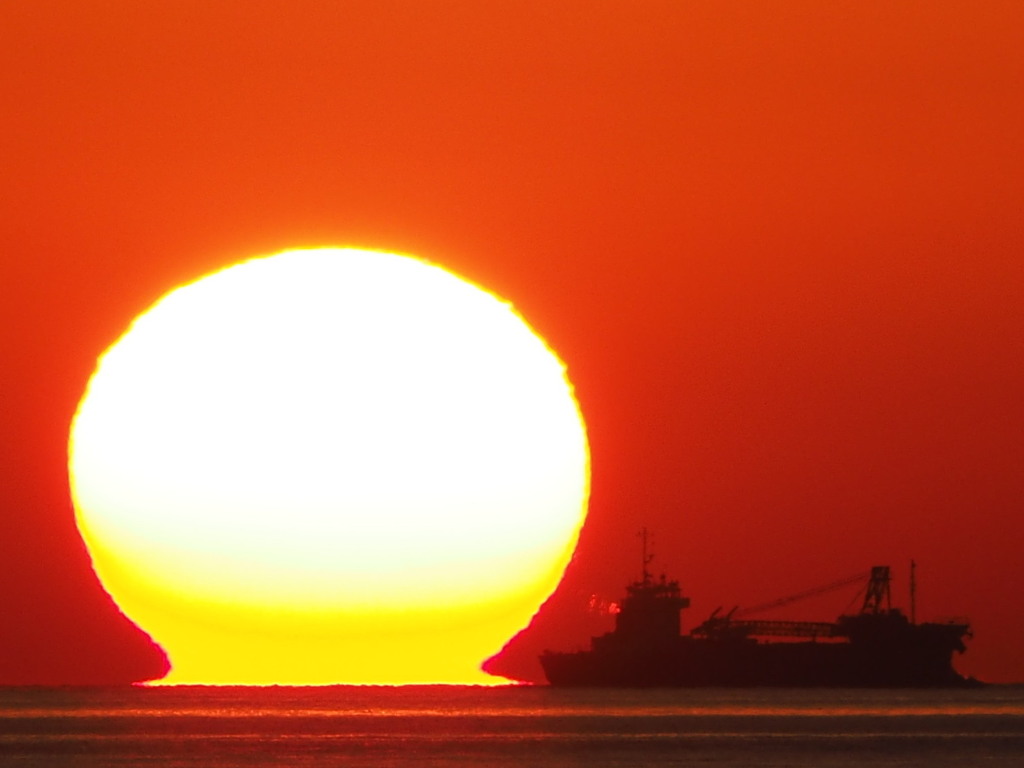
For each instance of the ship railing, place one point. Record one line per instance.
(765, 628)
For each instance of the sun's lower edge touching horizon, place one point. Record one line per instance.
(328, 466)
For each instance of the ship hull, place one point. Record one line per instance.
(701, 662)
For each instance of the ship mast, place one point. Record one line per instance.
(913, 592)
(644, 573)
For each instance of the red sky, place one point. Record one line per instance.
(779, 246)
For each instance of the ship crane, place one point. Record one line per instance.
(732, 625)
(804, 595)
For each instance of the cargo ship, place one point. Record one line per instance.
(879, 646)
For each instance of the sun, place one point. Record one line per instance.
(329, 466)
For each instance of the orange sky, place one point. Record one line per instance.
(780, 247)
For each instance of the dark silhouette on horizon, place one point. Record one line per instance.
(877, 647)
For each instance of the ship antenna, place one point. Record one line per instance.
(644, 536)
(913, 592)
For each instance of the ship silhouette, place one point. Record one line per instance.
(879, 646)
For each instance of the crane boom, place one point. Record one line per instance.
(831, 586)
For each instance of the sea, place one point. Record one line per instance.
(444, 726)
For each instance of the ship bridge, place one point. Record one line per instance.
(651, 608)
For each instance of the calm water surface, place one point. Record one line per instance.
(508, 726)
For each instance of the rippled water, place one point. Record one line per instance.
(521, 726)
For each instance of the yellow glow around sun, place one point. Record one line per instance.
(329, 466)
